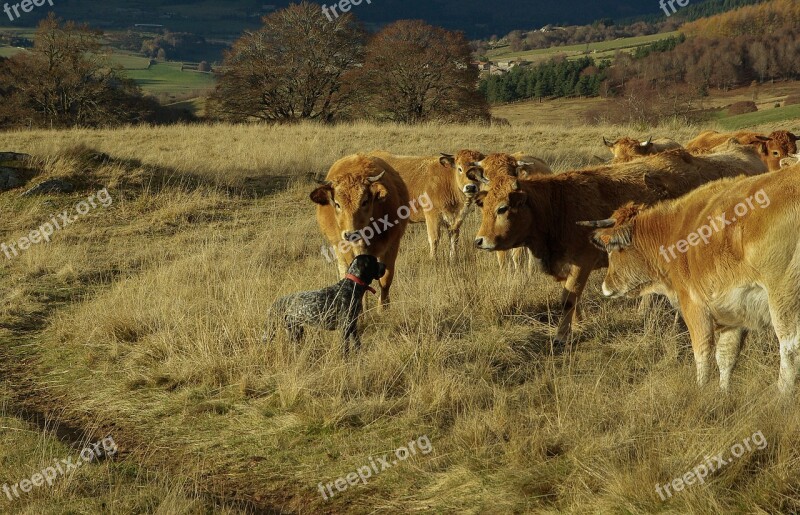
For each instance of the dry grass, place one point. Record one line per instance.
(147, 315)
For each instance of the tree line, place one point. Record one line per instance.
(555, 78)
(301, 65)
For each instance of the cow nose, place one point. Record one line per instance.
(470, 188)
(479, 242)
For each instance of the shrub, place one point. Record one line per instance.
(742, 108)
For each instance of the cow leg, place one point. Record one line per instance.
(433, 224)
(502, 257)
(531, 261)
(728, 346)
(389, 258)
(701, 331)
(573, 288)
(516, 257)
(785, 313)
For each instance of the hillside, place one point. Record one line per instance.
(143, 320)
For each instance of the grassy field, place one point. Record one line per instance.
(142, 320)
(603, 48)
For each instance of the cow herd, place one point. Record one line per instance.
(623, 215)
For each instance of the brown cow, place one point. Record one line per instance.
(446, 190)
(360, 211)
(772, 149)
(737, 265)
(541, 213)
(627, 149)
(513, 165)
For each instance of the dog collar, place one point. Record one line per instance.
(360, 282)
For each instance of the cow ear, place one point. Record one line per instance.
(322, 195)
(379, 191)
(792, 137)
(517, 198)
(478, 198)
(447, 161)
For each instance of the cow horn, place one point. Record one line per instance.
(598, 224)
(377, 177)
(446, 155)
(647, 143)
(606, 143)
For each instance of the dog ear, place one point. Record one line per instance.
(322, 195)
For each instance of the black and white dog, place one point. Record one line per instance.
(335, 307)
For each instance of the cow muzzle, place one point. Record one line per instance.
(470, 189)
(483, 244)
(352, 237)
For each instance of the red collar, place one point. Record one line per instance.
(360, 282)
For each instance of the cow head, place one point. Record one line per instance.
(625, 149)
(507, 215)
(781, 144)
(494, 166)
(628, 271)
(353, 197)
(460, 164)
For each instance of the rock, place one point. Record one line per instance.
(9, 179)
(50, 186)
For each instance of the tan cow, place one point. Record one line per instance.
(360, 210)
(627, 149)
(540, 213)
(728, 254)
(513, 165)
(446, 190)
(772, 149)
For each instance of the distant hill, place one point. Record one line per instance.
(477, 18)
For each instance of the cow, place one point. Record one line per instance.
(541, 213)
(515, 165)
(737, 265)
(360, 210)
(772, 149)
(446, 190)
(627, 149)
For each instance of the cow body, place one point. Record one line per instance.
(435, 178)
(358, 212)
(628, 149)
(740, 271)
(541, 213)
(771, 149)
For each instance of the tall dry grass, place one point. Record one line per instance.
(149, 315)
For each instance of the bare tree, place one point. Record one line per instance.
(415, 72)
(291, 68)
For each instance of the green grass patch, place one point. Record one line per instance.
(168, 78)
(602, 46)
(765, 116)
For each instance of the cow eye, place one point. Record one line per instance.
(460, 170)
(337, 205)
(502, 210)
(364, 202)
(776, 153)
